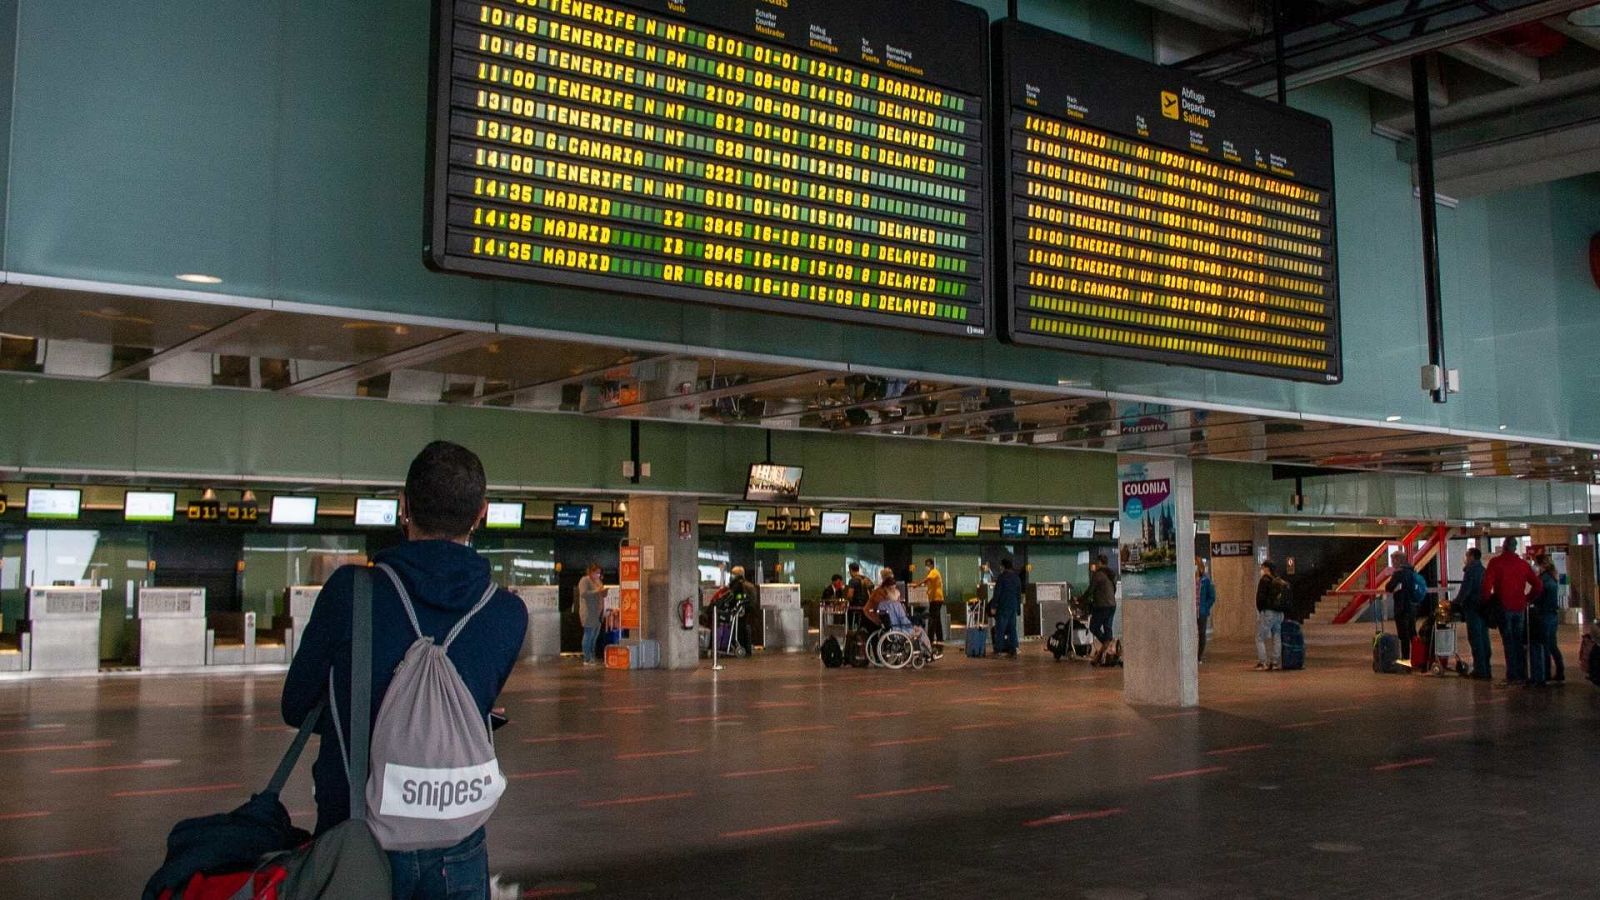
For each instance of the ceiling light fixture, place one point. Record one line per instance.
(1391, 418)
(198, 278)
(1502, 428)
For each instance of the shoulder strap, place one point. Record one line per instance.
(405, 597)
(360, 692)
(292, 755)
(488, 594)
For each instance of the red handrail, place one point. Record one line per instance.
(1366, 582)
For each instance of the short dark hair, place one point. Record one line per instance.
(1271, 569)
(836, 577)
(445, 489)
(1005, 563)
(1474, 553)
(854, 568)
(929, 561)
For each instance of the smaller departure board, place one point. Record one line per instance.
(1146, 214)
(815, 157)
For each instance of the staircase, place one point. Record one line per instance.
(1421, 545)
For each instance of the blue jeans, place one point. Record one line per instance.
(1542, 647)
(1269, 637)
(1005, 632)
(1514, 634)
(1482, 648)
(453, 873)
(591, 633)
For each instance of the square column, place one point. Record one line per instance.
(667, 529)
(1156, 555)
(1235, 577)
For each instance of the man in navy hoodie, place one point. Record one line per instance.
(443, 503)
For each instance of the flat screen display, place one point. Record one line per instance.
(1083, 529)
(815, 157)
(1013, 526)
(1156, 216)
(1116, 530)
(887, 524)
(377, 512)
(771, 483)
(573, 516)
(835, 522)
(54, 503)
(149, 506)
(294, 510)
(967, 526)
(503, 515)
(740, 521)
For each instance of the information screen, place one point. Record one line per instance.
(377, 512)
(822, 157)
(288, 510)
(769, 483)
(1083, 529)
(887, 524)
(835, 522)
(740, 521)
(573, 516)
(149, 506)
(967, 526)
(53, 503)
(1157, 217)
(1013, 526)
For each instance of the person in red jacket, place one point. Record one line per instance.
(1512, 583)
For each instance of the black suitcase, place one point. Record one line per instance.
(1294, 646)
(832, 653)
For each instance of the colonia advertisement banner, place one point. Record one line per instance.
(1148, 551)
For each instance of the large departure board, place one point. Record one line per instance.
(820, 157)
(1152, 216)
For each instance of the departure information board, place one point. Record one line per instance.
(1157, 217)
(821, 157)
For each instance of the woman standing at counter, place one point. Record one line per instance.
(591, 609)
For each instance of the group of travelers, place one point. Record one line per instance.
(1522, 602)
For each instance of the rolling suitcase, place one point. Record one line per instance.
(1386, 649)
(1294, 646)
(977, 634)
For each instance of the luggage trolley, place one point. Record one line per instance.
(1446, 658)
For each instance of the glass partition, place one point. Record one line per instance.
(273, 562)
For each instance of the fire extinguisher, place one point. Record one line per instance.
(686, 614)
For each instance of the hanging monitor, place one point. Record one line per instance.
(290, 510)
(377, 512)
(740, 521)
(503, 515)
(1083, 529)
(1152, 215)
(772, 483)
(835, 523)
(149, 506)
(887, 524)
(967, 526)
(1013, 526)
(54, 503)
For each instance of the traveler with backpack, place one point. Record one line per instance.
(1470, 600)
(591, 609)
(1544, 620)
(1205, 597)
(1409, 592)
(443, 642)
(857, 591)
(1102, 609)
(1272, 601)
(1510, 584)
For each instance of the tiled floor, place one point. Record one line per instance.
(972, 778)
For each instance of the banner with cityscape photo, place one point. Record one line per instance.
(1148, 550)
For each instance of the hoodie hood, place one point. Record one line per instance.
(441, 574)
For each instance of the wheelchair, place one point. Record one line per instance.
(899, 646)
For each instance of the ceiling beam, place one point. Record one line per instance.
(1495, 59)
(1589, 37)
(197, 344)
(782, 382)
(575, 378)
(411, 357)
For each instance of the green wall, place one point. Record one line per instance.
(298, 177)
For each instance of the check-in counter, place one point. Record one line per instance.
(172, 627)
(232, 639)
(64, 623)
(15, 652)
(543, 640)
(298, 601)
(1053, 597)
(783, 624)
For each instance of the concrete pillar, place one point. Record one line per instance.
(667, 530)
(1158, 604)
(1234, 616)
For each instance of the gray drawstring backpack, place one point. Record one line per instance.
(435, 779)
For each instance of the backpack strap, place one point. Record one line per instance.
(292, 755)
(405, 598)
(355, 752)
(488, 594)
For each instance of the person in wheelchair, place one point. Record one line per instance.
(886, 611)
